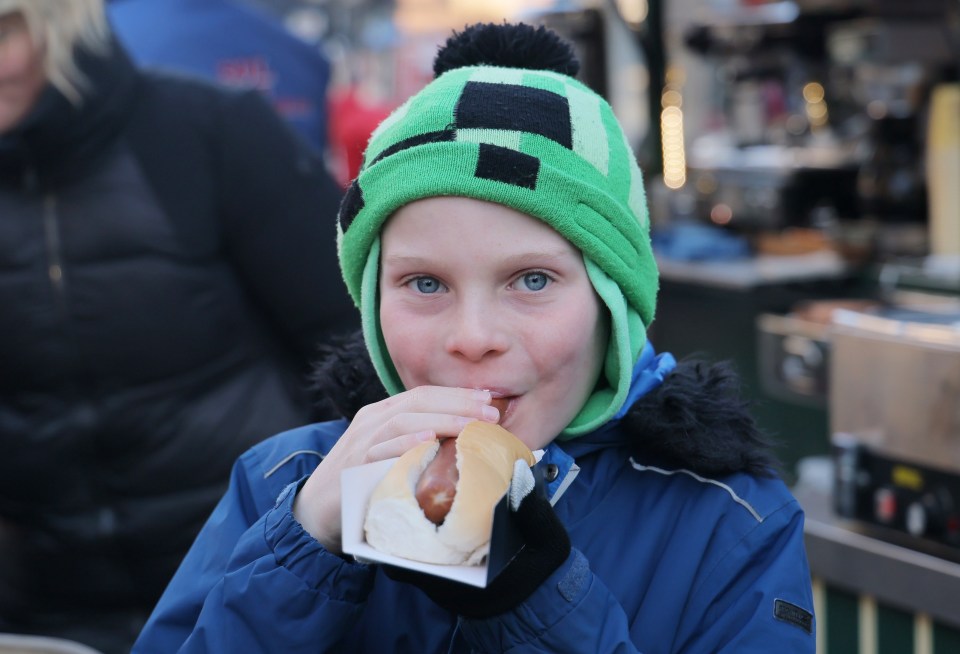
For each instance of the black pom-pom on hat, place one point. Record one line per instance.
(515, 45)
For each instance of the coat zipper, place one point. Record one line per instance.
(51, 229)
(106, 516)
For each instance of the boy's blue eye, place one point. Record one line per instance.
(535, 281)
(427, 284)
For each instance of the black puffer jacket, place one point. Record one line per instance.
(167, 265)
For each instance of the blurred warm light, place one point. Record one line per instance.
(675, 76)
(671, 131)
(431, 16)
(816, 105)
(633, 12)
(671, 98)
(813, 92)
(817, 111)
(721, 214)
(817, 114)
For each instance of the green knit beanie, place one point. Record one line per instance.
(495, 126)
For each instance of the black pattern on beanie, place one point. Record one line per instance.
(350, 205)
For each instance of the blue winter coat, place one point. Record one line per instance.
(665, 560)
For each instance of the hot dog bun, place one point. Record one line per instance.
(395, 523)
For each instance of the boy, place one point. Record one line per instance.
(496, 242)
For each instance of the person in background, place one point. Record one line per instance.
(497, 243)
(167, 271)
(359, 102)
(235, 44)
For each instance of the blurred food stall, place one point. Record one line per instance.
(809, 231)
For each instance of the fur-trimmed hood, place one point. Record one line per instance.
(694, 420)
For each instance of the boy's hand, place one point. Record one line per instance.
(546, 547)
(381, 431)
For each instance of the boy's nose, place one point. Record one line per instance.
(477, 331)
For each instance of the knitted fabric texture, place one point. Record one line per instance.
(534, 140)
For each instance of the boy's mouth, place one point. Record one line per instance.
(503, 405)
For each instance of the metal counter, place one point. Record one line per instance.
(843, 555)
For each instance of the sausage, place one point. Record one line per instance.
(438, 484)
(501, 404)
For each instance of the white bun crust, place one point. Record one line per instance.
(395, 523)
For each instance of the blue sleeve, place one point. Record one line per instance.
(732, 611)
(737, 607)
(572, 611)
(256, 583)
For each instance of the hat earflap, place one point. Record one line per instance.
(370, 322)
(627, 338)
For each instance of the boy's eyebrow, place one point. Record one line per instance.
(537, 258)
(405, 261)
(518, 260)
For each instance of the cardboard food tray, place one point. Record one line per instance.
(357, 485)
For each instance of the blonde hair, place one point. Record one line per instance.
(58, 26)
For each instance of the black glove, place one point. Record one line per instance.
(546, 547)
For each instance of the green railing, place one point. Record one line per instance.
(857, 624)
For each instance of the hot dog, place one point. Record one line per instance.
(483, 456)
(438, 483)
